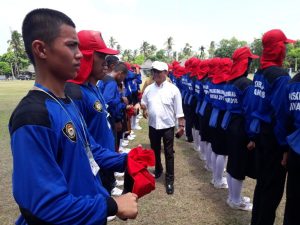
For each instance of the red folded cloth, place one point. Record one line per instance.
(130, 112)
(138, 161)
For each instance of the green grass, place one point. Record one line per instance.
(195, 201)
(11, 93)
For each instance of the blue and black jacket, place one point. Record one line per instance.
(199, 94)
(191, 90)
(216, 93)
(184, 88)
(238, 95)
(92, 106)
(52, 178)
(293, 125)
(112, 96)
(207, 85)
(173, 78)
(270, 86)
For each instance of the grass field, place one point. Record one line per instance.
(195, 201)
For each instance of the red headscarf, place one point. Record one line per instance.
(274, 50)
(222, 70)
(240, 59)
(195, 67)
(90, 42)
(203, 69)
(214, 67)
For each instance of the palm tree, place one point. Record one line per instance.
(187, 50)
(16, 46)
(169, 43)
(112, 42)
(144, 49)
(202, 52)
(119, 48)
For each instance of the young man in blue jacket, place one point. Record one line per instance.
(58, 183)
(269, 125)
(291, 214)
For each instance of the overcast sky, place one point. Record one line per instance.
(196, 22)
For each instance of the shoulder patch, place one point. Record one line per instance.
(295, 79)
(73, 91)
(273, 72)
(98, 106)
(31, 110)
(70, 131)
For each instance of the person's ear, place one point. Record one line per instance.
(39, 49)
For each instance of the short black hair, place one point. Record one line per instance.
(42, 24)
(111, 59)
(121, 67)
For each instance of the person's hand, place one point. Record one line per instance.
(129, 106)
(137, 70)
(125, 100)
(127, 206)
(145, 114)
(180, 131)
(284, 159)
(118, 126)
(251, 145)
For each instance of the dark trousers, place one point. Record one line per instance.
(270, 178)
(187, 110)
(291, 214)
(168, 139)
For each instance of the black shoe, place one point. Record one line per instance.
(170, 189)
(158, 174)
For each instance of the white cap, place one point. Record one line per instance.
(160, 66)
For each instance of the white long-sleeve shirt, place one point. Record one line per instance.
(164, 105)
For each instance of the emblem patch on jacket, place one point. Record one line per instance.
(69, 131)
(98, 106)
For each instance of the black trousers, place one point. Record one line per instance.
(168, 139)
(270, 177)
(291, 214)
(187, 110)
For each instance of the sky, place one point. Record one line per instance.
(197, 22)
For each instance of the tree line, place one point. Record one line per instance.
(15, 60)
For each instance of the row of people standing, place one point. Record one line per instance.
(248, 121)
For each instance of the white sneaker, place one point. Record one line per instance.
(116, 192)
(124, 144)
(245, 199)
(241, 206)
(131, 132)
(221, 185)
(110, 218)
(129, 137)
(117, 174)
(201, 156)
(212, 181)
(124, 150)
(119, 183)
(126, 141)
(208, 168)
(137, 128)
(140, 116)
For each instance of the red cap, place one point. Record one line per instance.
(274, 49)
(275, 36)
(240, 59)
(203, 69)
(92, 40)
(128, 66)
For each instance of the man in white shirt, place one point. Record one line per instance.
(162, 105)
